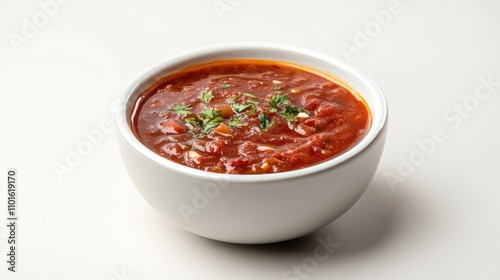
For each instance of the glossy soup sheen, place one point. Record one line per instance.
(249, 117)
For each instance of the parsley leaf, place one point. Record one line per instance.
(253, 112)
(265, 121)
(208, 120)
(277, 100)
(207, 96)
(181, 109)
(211, 113)
(249, 95)
(290, 112)
(209, 125)
(226, 86)
(239, 108)
(196, 121)
(236, 121)
(211, 119)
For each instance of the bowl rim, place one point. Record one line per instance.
(379, 121)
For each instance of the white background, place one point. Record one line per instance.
(59, 81)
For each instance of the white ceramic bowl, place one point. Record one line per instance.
(253, 208)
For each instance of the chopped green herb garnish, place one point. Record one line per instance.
(226, 86)
(210, 113)
(278, 88)
(265, 121)
(196, 121)
(249, 95)
(236, 121)
(277, 100)
(209, 119)
(181, 109)
(253, 112)
(207, 96)
(209, 126)
(240, 108)
(290, 112)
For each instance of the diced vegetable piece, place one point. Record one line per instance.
(171, 126)
(302, 115)
(225, 110)
(264, 148)
(223, 128)
(325, 110)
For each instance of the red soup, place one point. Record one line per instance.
(249, 117)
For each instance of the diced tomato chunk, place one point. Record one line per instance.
(171, 126)
(223, 128)
(326, 110)
(225, 109)
(215, 146)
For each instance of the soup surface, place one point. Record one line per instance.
(249, 117)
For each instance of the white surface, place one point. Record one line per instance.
(442, 222)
